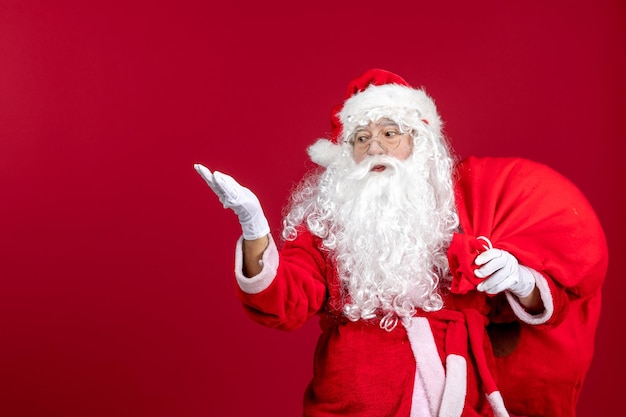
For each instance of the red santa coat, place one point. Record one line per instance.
(441, 363)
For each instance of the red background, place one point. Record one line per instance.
(116, 288)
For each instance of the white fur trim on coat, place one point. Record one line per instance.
(269, 262)
(497, 404)
(455, 390)
(546, 297)
(429, 374)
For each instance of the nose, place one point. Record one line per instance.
(375, 148)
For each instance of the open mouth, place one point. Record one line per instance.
(378, 168)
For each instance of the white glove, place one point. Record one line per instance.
(241, 200)
(504, 273)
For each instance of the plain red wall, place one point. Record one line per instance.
(116, 287)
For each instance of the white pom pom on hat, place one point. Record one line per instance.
(375, 94)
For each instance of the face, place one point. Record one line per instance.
(380, 138)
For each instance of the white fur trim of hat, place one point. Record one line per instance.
(406, 106)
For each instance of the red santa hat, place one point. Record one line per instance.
(374, 95)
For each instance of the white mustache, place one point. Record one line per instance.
(392, 164)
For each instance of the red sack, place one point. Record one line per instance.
(543, 219)
(462, 252)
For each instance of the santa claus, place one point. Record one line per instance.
(442, 288)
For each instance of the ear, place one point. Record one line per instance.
(324, 152)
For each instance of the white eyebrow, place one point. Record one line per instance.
(381, 122)
(387, 122)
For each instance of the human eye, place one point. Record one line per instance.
(391, 132)
(362, 138)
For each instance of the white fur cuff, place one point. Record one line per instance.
(260, 282)
(546, 298)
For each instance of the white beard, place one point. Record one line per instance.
(388, 232)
